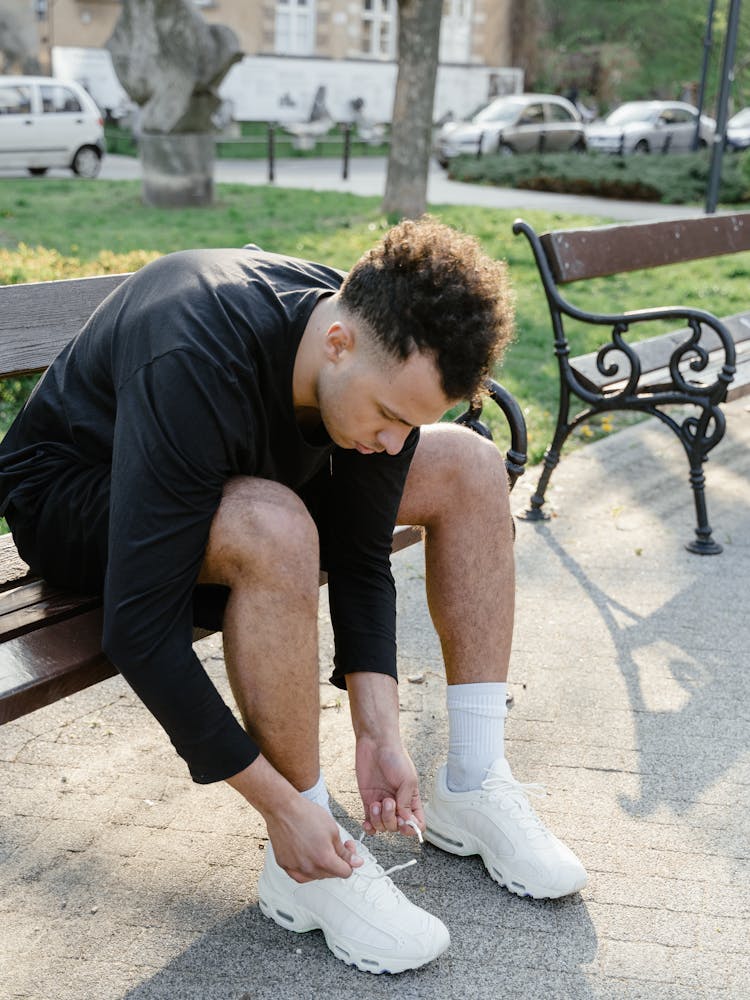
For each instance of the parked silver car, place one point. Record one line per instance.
(738, 130)
(649, 127)
(523, 123)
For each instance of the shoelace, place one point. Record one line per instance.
(498, 787)
(379, 876)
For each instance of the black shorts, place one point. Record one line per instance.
(62, 533)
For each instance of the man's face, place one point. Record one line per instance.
(370, 401)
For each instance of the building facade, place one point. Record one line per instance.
(294, 47)
(474, 32)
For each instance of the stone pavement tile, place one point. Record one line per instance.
(60, 836)
(79, 978)
(640, 960)
(488, 947)
(14, 833)
(726, 934)
(670, 863)
(650, 891)
(614, 988)
(711, 972)
(642, 923)
(502, 978)
(729, 900)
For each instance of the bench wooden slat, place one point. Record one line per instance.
(654, 354)
(36, 605)
(37, 320)
(577, 254)
(39, 668)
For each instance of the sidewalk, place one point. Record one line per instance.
(367, 177)
(121, 880)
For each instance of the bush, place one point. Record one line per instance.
(673, 179)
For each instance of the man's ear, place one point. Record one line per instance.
(339, 340)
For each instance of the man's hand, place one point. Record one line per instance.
(386, 775)
(389, 788)
(307, 844)
(304, 836)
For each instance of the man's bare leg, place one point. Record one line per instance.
(457, 489)
(263, 545)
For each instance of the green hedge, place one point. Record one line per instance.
(677, 178)
(252, 143)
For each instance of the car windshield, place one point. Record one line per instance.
(628, 113)
(741, 119)
(499, 111)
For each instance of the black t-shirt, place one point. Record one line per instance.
(181, 379)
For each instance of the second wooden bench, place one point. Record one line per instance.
(701, 365)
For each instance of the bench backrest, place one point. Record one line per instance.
(38, 319)
(578, 254)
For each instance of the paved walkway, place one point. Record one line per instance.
(367, 177)
(121, 880)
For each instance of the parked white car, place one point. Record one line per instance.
(738, 130)
(649, 127)
(45, 122)
(523, 123)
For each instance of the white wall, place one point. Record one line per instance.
(275, 88)
(272, 88)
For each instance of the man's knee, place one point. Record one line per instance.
(261, 530)
(455, 466)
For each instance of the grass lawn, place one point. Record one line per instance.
(62, 228)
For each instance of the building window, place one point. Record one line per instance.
(295, 27)
(455, 31)
(379, 28)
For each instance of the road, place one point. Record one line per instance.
(367, 177)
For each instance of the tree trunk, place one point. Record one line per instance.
(411, 129)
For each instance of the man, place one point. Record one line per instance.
(226, 422)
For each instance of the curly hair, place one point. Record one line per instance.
(427, 287)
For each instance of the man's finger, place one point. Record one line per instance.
(347, 851)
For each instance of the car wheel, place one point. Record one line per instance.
(86, 162)
(504, 149)
(579, 146)
(37, 171)
(642, 147)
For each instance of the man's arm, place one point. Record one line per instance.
(174, 447)
(305, 838)
(386, 776)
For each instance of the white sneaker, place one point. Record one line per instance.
(498, 823)
(366, 920)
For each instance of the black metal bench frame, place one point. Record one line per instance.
(702, 365)
(50, 639)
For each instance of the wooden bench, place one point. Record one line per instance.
(49, 638)
(700, 366)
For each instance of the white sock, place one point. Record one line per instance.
(318, 793)
(476, 732)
